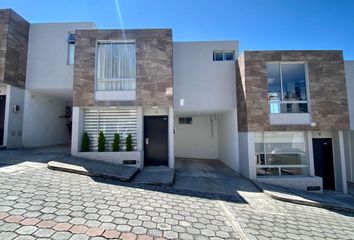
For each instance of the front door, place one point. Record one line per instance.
(155, 140)
(2, 117)
(323, 158)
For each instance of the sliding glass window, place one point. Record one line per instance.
(116, 66)
(287, 92)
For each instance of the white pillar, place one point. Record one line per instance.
(251, 156)
(171, 144)
(310, 154)
(140, 135)
(77, 129)
(343, 172)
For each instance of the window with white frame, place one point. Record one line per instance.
(281, 153)
(287, 91)
(116, 66)
(223, 55)
(71, 48)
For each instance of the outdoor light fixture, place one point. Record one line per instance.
(15, 108)
(313, 124)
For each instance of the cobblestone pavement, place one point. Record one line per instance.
(266, 218)
(37, 203)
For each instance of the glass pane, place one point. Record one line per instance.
(218, 56)
(182, 120)
(293, 108)
(294, 82)
(71, 53)
(295, 158)
(285, 148)
(274, 86)
(293, 171)
(229, 56)
(188, 120)
(267, 172)
(260, 159)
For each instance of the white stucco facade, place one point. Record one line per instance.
(47, 61)
(349, 135)
(202, 85)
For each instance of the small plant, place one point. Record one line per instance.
(85, 145)
(101, 142)
(129, 143)
(116, 143)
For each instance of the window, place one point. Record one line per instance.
(185, 120)
(281, 153)
(223, 55)
(116, 66)
(71, 48)
(287, 91)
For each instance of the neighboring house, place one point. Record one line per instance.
(275, 116)
(292, 113)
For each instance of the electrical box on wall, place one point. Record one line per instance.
(15, 108)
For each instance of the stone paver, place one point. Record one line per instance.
(38, 202)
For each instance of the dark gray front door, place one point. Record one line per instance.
(323, 158)
(155, 140)
(2, 117)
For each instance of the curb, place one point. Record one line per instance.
(53, 166)
(303, 202)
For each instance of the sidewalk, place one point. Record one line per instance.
(329, 199)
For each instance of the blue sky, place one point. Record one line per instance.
(257, 24)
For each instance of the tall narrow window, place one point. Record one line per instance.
(116, 66)
(287, 91)
(71, 48)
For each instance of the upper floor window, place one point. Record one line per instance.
(116, 66)
(71, 48)
(287, 91)
(223, 55)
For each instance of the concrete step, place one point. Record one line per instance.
(155, 175)
(94, 168)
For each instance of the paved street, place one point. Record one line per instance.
(37, 203)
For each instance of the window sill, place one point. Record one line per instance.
(290, 118)
(115, 95)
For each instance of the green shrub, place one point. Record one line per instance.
(101, 142)
(129, 143)
(116, 143)
(85, 145)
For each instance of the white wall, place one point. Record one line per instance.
(47, 66)
(228, 147)
(339, 162)
(42, 125)
(203, 84)
(13, 120)
(349, 154)
(196, 140)
(3, 89)
(349, 76)
(247, 154)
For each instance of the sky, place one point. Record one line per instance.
(257, 24)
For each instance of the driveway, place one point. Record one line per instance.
(37, 203)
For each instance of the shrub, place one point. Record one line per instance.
(116, 143)
(101, 142)
(129, 143)
(85, 145)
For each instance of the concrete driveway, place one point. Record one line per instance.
(207, 175)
